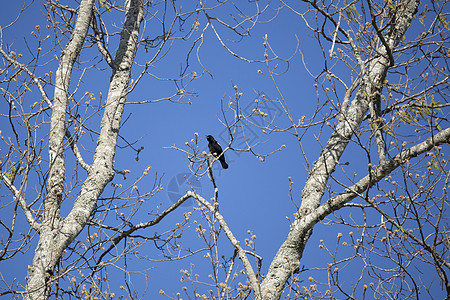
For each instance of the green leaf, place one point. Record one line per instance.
(444, 22)
(434, 164)
(105, 4)
(388, 130)
(434, 103)
(437, 124)
(353, 8)
(11, 173)
(373, 126)
(391, 6)
(349, 11)
(405, 116)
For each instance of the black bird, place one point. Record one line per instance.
(216, 150)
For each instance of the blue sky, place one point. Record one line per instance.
(253, 195)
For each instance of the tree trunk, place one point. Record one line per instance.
(56, 233)
(287, 259)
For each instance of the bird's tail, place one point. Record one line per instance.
(224, 164)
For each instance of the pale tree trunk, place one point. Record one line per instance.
(55, 232)
(287, 259)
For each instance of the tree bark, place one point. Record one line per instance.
(57, 233)
(287, 259)
(46, 256)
